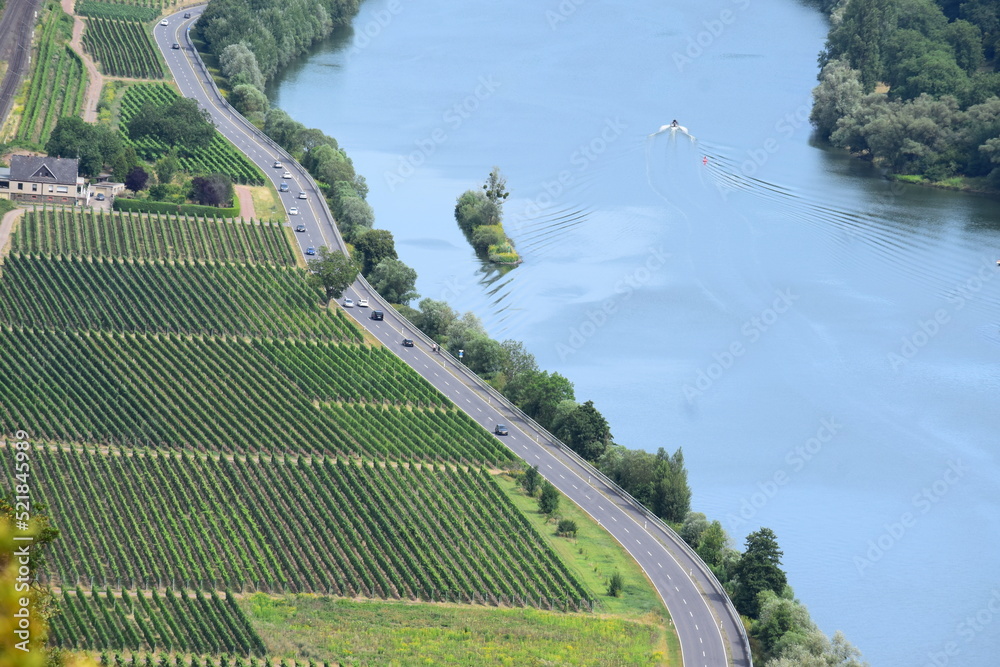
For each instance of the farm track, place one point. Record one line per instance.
(16, 29)
(95, 81)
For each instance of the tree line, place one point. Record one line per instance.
(912, 85)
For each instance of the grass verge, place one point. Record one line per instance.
(399, 633)
(266, 203)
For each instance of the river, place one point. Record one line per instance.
(822, 343)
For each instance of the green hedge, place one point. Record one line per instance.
(169, 207)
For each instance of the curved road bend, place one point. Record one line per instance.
(700, 618)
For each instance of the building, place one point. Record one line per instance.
(43, 180)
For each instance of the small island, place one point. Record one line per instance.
(480, 215)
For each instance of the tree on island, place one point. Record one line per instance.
(332, 272)
(496, 188)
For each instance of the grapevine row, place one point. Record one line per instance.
(122, 48)
(316, 526)
(97, 233)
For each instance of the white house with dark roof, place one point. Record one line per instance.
(43, 180)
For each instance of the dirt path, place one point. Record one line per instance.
(6, 225)
(247, 211)
(95, 81)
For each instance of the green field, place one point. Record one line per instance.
(149, 621)
(218, 157)
(122, 48)
(74, 234)
(57, 80)
(178, 297)
(303, 525)
(386, 633)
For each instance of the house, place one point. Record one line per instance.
(43, 180)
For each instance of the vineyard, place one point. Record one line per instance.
(171, 621)
(122, 48)
(75, 234)
(218, 157)
(184, 297)
(116, 10)
(57, 81)
(229, 395)
(319, 526)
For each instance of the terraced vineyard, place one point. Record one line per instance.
(228, 395)
(57, 80)
(218, 157)
(122, 48)
(74, 234)
(116, 10)
(182, 297)
(192, 623)
(320, 526)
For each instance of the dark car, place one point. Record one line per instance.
(100, 196)
(300, 228)
(187, 15)
(407, 342)
(377, 315)
(500, 429)
(176, 46)
(283, 187)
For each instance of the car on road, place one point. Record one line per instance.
(500, 429)
(176, 46)
(293, 211)
(277, 165)
(100, 196)
(310, 250)
(187, 15)
(287, 174)
(283, 187)
(348, 303)
(407, 342)
(300, 228)
(164, 22)
(302, 195)
(362, 303)
(377, 315)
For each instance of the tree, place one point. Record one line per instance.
(212, 190)
(671, 494)
(516, 360)
(838, 94)
(73, 138)
(616, 584)
(474, 209)
(758, 570)
(531, 480)
(483, 356)
(249, 100)
(586, 431)
(695, 523)
(548, 501)
(167, 166)
(485, 236)
(496, 188)
(136, 179)
(462, 330)
(178, 123)
(356, 216)
(435, 317)
(714, 546)
(331, 272)
(861, 38)
(566, 528)
(374, 246)
(239, 65)
(538, 393)
(394, 280)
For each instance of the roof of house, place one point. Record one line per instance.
(44, 169)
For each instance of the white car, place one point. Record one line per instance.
(277, 165)
(362, 303)
(164, 22)
(348, 303)
(302, 195)
(293, 211)
(287, 174)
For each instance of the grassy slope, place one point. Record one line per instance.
(331, 630)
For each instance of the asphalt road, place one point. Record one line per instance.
(698, 608)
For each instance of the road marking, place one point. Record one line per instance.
(677, 589)
(651, 555)
(561, 475)
(600, 508)
(685, 600)
(575, 486)
(626, 530)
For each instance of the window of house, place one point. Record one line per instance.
(62, 188)
(34, 187)
(20, 186)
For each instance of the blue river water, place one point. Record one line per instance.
(822, 343)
